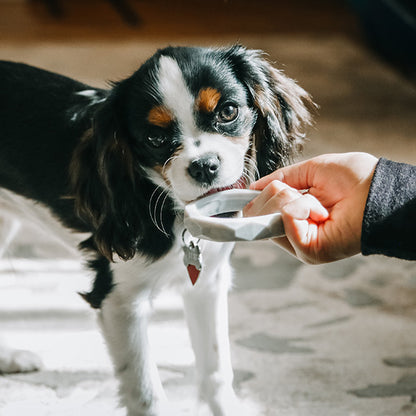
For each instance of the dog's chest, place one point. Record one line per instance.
(138, 274)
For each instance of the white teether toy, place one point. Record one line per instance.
(201, 222)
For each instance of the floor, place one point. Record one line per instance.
(333, 340)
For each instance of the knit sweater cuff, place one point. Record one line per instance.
(389, 224)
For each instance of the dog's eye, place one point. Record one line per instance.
(156, 141)
(228, 113)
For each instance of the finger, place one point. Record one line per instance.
(299, 176)
(271, 199)
(302, 218)
(306, 207)
(279, 200)
(260, 184)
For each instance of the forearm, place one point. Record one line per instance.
(389, 224)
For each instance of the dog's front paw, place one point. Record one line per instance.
(244, 407)
(226, 403)
(158, 407)
(18, 361)
(230, 408)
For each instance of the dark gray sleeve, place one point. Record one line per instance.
(389, 224)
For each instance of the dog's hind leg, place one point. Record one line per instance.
(9, 227)
(124, 323)
(14, 361)
(18, 361)
(206, 309)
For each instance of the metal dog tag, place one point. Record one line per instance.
(192, 259)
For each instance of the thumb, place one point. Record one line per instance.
(298, 176)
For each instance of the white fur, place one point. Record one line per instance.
(14, 207)
(9, 227)
(18, 361)
(89, 94)
(176, 95)
(124, 319)
(94, 98)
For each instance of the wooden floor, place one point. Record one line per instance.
(31, 20)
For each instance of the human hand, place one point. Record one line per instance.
(323, 224)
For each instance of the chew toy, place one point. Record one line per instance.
(202, 221)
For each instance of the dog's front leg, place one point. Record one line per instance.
(124, 324)
(206, 308)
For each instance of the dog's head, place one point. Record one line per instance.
(190, 121)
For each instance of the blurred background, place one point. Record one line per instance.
(328, 340)
(356, 57)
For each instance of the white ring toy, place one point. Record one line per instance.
(199, 218)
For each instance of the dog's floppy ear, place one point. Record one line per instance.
(283, 108)
(102, 175)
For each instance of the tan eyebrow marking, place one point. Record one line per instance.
(160, 116)
(207, 99)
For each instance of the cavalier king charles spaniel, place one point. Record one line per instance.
(109, 171)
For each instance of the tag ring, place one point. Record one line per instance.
(183, 238)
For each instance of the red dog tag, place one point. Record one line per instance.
(193, 273)
(192, 260)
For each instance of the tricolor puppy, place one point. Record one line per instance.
(118, 166)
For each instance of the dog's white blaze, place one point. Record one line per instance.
(176, 95)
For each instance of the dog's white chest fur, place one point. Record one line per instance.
(140, 275)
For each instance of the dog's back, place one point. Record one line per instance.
(39, 130)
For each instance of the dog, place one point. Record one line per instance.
(109, 171)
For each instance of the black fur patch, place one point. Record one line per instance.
(103, 282)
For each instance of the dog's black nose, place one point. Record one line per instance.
(205, 169)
